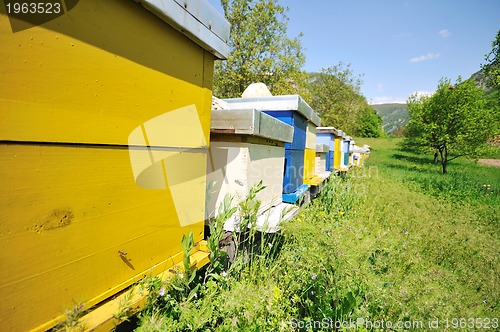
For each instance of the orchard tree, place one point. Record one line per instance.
(453, 122)
(260, 51)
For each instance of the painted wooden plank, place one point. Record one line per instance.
(233, 168)
(297, 195)
(311, 136)
(277, 103)
(325, 138)
(250, 122)
(320, 162)
(91, 78)
(294, 170)
(196, 19)
(71, 210)
(103, 130)
(299, 124)
(323, 148)
(309, 165)
(332, 161)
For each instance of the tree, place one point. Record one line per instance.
(337, 98)
(492, 66)
(370, 123)
(260, 50)
(453, 122)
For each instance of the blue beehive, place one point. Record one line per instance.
(294, 170)
(298, 122)
(293, 110)
(329, 161)
(326, 135)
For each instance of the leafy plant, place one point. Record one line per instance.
(72, 322)
(218, 256)
(125, 309)
(455, 121)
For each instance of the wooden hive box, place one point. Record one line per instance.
(247, 146)
(326, 135)
(338, 154)
(311, 136)
(293, 177)
(357, 156)
(321, 158)
(309, 166)
(103, 141)
(346, 150)
(293, 110)
(352, 144)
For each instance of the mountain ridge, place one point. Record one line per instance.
(394, 116)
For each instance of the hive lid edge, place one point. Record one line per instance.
(197, 20)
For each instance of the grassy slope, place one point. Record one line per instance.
(394, 241)
(428, 245)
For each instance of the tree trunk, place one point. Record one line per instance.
(444, 158)
(435, 157)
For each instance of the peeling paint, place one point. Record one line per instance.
(56, 219)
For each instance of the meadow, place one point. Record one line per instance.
(394, 245)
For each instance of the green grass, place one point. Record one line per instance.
(394, 241)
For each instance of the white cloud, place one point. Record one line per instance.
(445, 33)
(380, 87)
(397, 100)
(428, 56)
(388, 100)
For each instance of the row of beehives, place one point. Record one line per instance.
(276, 140)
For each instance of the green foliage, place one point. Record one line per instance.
(125, 307)
(218, 257)
(72, 322)
(492, 66)
(453, 122)
(187, 244)
(336, 98)
(370, 124)
(260, 50)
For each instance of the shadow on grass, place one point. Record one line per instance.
(414, 169)
(414, 159)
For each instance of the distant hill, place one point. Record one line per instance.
(394, 116)
(484, 82)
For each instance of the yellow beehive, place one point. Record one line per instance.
(105, 123)
(338, 151)
(309, 166)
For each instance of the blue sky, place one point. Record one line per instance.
(399, 46)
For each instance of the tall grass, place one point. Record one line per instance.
(394, 241)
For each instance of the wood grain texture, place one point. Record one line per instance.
(77, 225)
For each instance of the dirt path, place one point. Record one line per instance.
(492, 162)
